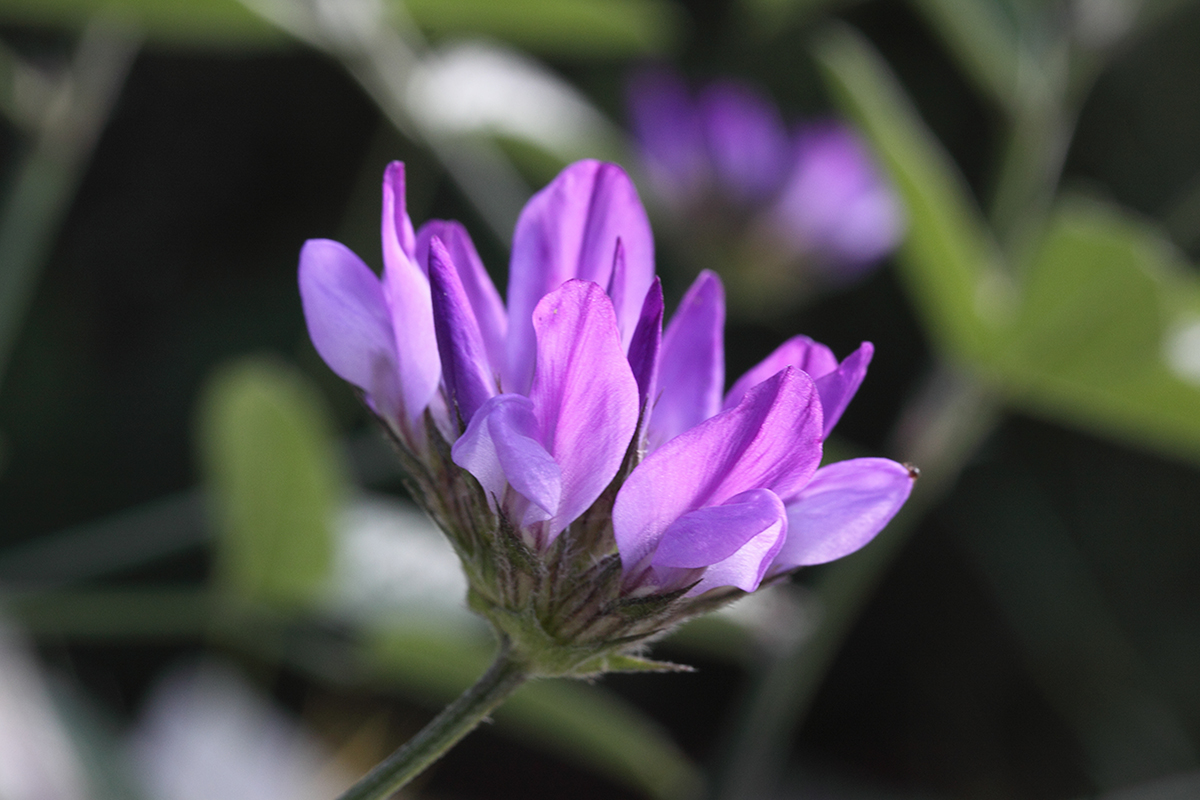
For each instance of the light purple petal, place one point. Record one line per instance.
(838, 388)
(771, 440)
(584, 394)
(348, 320)
(501, 448)
(398, 239)
(569, 230)
(469, 380)
(746, 139)
(746, 568)
(406, 289)
(836, 204)
(692, 365)
(646, 344)
(667, 126)
(842, 509)
(800, 352)
(485, 300)
(710, 534)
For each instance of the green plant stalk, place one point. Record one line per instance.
(458, 719)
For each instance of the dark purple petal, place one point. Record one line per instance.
(501, 447)
(468, 377)
(348, 320)
(800, 352)
(584, 394)
(771, 440)
(569, 230)
(485, 300)
(746, 139)
(406, 289)
(692, 365)
(842, 509)
(645, 345)
(838, 388)
(667, 126)
(836, 205)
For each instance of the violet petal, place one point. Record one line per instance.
(800, 352)
(645, 346)
(569, 230)
(838, 388)
(771, 440)
(501, 448)
(842, 509)
(584, 393)
(348, 320)
(406, 289)
(692, 365)
(485, 300)
(746, 139)
(469, 381)
(710, 534)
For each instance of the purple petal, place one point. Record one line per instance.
(569, 230)
(398, 239)
(836, 204)
(406, 289)
(746, 138)
(348, 320)
(836, 384)
(645, 345)
(692, 366)
(842, 509)
(800, 352)
(667, 126)
(501, 448)
(771, 440)
(838, 388)
(485, 300)
(707, 535)
(584, 394)
(469, 380)
(746, 568)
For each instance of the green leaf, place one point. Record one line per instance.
(276, 482)
(949, 259)
(580, 722)
(1102, 337)
(204, 23)
(565, 28)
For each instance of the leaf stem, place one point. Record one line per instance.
(444, 731)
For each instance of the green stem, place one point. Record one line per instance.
(444, 731)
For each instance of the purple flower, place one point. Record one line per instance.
(817, 193)
(588, 466)
(835, 205)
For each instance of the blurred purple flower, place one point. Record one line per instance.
(817, 192)
(529, 426)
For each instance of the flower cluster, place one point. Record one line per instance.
(597, 482)
(814, 195)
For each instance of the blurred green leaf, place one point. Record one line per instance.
(276, 482)
(571, 28)
(580, 722)
(1098, 342)
(982, 39)
(949, 258)
(173, 22)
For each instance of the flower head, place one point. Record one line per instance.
(596, 480)
(814, 195)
